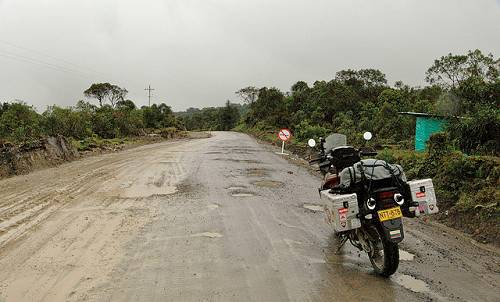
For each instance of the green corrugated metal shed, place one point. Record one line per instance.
(426, 125)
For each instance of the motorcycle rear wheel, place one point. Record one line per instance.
(384, 256)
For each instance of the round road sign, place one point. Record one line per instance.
(284, 134)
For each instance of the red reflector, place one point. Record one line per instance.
(386, 195)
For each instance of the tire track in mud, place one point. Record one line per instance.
(49, 197)
(81, 220)
(37, 208)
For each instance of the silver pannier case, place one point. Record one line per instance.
(422, 191)
(341, 211)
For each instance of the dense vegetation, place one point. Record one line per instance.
(465, 88)
(463, 161)
(212, 118)
(115, 117)
(355, 101)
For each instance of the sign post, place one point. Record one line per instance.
(284, 135)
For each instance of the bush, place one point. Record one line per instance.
(305, 131)
(486, 198)
(439, 144)
(478, 131)
(129, 122)
(66, 122)
(103, 122)
(20, 123)
(169, 132)
(457, 174)
(87, 143)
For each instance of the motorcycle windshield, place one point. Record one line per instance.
(335, 140)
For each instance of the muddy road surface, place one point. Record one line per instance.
(215, 219)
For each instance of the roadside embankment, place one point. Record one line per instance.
(17, 159)
(23, 158)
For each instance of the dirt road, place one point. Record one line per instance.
(217, 219)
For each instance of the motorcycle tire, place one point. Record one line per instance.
(385, 255)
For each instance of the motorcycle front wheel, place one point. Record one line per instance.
(384, 255)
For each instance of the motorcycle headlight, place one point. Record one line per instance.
(371, 203)
(399, 199)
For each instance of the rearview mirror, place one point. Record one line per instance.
(311, 142)
(367, 136)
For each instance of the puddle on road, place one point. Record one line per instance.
(248, 161)
(239, 191)
(126, 185)
(313, 207)
(256, 172)
(405, 256)
(207, 234)
(236, 188)
(268, 183)
(213, 206)
(291, 242)
(168, 162)
(315, 260)
(239, 150)
(242, 194)
(144, 191)
(411, 283)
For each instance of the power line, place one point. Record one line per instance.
(149, 89)
(89, 70)
(26, 59)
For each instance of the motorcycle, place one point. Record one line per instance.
(367, 198)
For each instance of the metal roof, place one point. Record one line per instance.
(421, 114)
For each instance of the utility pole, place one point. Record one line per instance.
(149, 89)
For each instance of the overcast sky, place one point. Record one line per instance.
(196, 53)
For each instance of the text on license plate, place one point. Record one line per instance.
(389, 214)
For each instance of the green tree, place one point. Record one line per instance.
(106, 91)
(3, 107)
(364, 77)
(269, 108)
(248, 94)
(116, 94)
(125, 105)
(228, 117)
(451, 70)
(98, 91)
(159, 116)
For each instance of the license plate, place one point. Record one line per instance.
(389, 214)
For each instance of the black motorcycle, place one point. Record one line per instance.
(365, 200)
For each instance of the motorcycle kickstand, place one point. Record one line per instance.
(341, 244)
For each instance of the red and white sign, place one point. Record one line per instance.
(285, 134)
(343, 214)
